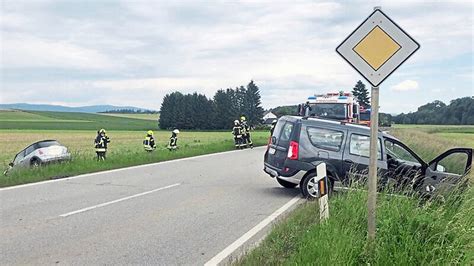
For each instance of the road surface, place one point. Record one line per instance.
(179, 212)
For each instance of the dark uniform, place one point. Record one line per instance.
(173, 140)
(237, 132)
(149, 142)
(247, 140)
(100, 144)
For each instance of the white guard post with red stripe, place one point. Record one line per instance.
(322, 179)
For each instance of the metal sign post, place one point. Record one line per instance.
(374, 128)
(376, 49)
(322, 179)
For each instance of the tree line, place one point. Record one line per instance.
(196, 111)
(458, 112)
(130, 111)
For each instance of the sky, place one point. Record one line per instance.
(132, 53)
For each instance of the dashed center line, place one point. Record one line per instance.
(117, 200)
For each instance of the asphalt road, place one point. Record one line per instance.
(180, 212)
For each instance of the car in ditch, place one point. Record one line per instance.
(39, 153)
(299, 144)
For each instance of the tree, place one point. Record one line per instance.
(225, 109)
(362, 94)
(252, 104)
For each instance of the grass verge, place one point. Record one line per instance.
(126, 150)
(409, 232)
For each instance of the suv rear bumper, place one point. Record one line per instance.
(295, 179)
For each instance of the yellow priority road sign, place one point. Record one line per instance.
(377, 48)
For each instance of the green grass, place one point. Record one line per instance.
(125, 150)
(38, 120)
(408, 232)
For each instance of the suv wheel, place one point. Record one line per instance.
(309, 186)
(35, 163)
(286, 183)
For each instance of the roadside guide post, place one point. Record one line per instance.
(376, 49)
(322, 179)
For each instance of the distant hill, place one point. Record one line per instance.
(60, 108)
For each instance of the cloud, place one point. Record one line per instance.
(23, 51)
(406, 85)
(130, 48)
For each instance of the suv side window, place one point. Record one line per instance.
(360, 146)
(327, 139)
(29, 150)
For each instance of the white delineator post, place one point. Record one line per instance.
(322, 179)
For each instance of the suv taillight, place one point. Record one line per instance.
(293, 150)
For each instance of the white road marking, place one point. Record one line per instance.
(122, 169)
(244, 238)
(118, 200)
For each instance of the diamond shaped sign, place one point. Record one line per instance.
(377, 48)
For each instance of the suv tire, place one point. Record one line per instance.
(286, 184)
(35, 162)
(309, 187)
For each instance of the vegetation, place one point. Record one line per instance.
(125, 150)
(285, 110)
(130, 111)
(41, 120)
(152, 117)
(409, 232)
(362, 94)
(458, 112)
(196, 111)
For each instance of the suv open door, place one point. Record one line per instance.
(447, 169)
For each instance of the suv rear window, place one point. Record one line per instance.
(282, 133)
(45, 144)
(325, 138)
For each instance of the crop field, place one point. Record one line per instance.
(38, 120)
(77, 131)
(409, 231)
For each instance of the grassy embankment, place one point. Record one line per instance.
(125, 148)
(408, 232)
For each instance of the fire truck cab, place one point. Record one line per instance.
(342, 106)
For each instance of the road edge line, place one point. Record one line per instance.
(119, 169)
(241, 246)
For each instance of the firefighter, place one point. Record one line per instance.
(173, 140)
(237, 132)
(272, 127)
(149, 142)
(246, 132)
(100, 143)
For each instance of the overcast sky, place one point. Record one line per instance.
(134, 52)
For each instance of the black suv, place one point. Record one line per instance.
(299, 144)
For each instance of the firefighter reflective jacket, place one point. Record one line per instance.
(237, 131)
(101, 143)
(149, 143)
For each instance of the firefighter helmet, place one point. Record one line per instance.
(176, 131)
(102, 131)
(242, 118)
(150, 132)
(236, 122)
